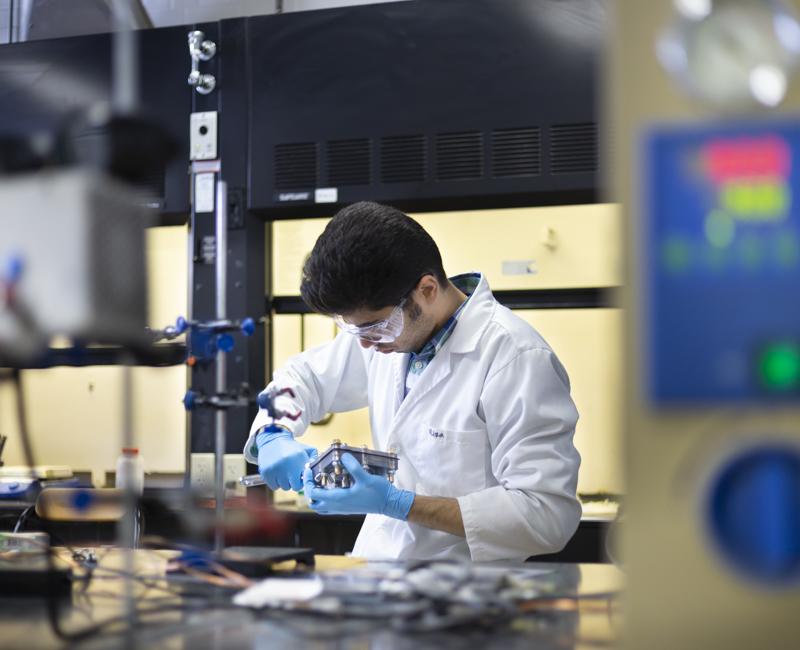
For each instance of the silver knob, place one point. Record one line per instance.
(199, 48)
(202, 83)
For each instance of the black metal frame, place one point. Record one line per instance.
(586, 298)
(246, 239)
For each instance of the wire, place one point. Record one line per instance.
(27, 448)
(23, 518)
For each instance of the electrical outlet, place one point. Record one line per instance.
(203, 471)
(235, 467)
(203, 136)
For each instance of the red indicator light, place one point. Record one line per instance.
(765, 157)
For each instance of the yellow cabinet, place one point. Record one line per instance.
(75, 414)
(588, 343)
(293, 333)
(521, 248)
(586, 340)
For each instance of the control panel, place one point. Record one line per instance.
(722, 262)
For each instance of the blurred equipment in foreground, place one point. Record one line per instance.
(712, 530)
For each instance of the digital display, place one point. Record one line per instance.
(722, 263)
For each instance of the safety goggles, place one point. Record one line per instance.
(383, 331)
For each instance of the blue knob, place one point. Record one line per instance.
(754, 512)
(181, 325)
(248, 326)
(81, 500)
(225, 342)
(14, 269)
(189, 400)
(264, 401)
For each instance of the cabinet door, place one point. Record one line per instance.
(532, 248)
(588, 343)
(75, 414)
(294, 333)
(521, 248)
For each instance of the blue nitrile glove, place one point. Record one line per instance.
(368, 494)
(281, 459)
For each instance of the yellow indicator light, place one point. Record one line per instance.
(767, 200)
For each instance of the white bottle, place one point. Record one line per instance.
(130, 470)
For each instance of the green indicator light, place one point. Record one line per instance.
(716, 258)
(788, 250)
(751, 252)
(676, 254)
(779, 367)
(720, 229)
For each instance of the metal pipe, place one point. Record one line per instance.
(11, 21)
(125, 77)
(221, 295)
(24, 19)
(190, 243)
(139, 16)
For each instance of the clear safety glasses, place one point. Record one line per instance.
(384, 331)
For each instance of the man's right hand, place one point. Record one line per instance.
(281, 459)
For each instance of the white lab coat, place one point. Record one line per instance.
(490, 422)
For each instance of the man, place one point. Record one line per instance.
(472, 398)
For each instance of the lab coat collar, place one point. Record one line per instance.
(473, 320)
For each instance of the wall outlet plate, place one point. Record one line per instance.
(202, 474)
(203, 136)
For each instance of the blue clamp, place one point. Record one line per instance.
(189, 400)
(14, 268)
(205, 338)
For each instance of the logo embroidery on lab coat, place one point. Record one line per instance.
(435, 434)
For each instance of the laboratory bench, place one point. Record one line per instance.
(559, 606)
(329, 534)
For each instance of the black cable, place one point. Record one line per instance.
(27, 448)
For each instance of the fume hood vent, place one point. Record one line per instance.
(153, 183)
(573, 148)
(403, 159)
(348, 162)
(459, 156)
(516, 152)
(295, 165)
(439, 124)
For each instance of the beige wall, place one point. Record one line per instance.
(569, 246)
(75, 414)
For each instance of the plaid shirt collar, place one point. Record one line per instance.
(466, 283)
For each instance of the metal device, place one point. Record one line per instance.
(201, 49)
(75, 240)
(711, 538)
(329, 472)
(732, 55)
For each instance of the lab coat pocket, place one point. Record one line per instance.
(452, 463)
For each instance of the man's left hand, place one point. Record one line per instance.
(368, 493)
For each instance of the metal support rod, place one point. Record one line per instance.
(125, 78)
(221, 296)
(190, 243)
(125, 101)
(126, 527)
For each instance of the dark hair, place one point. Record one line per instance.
(369, 256)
